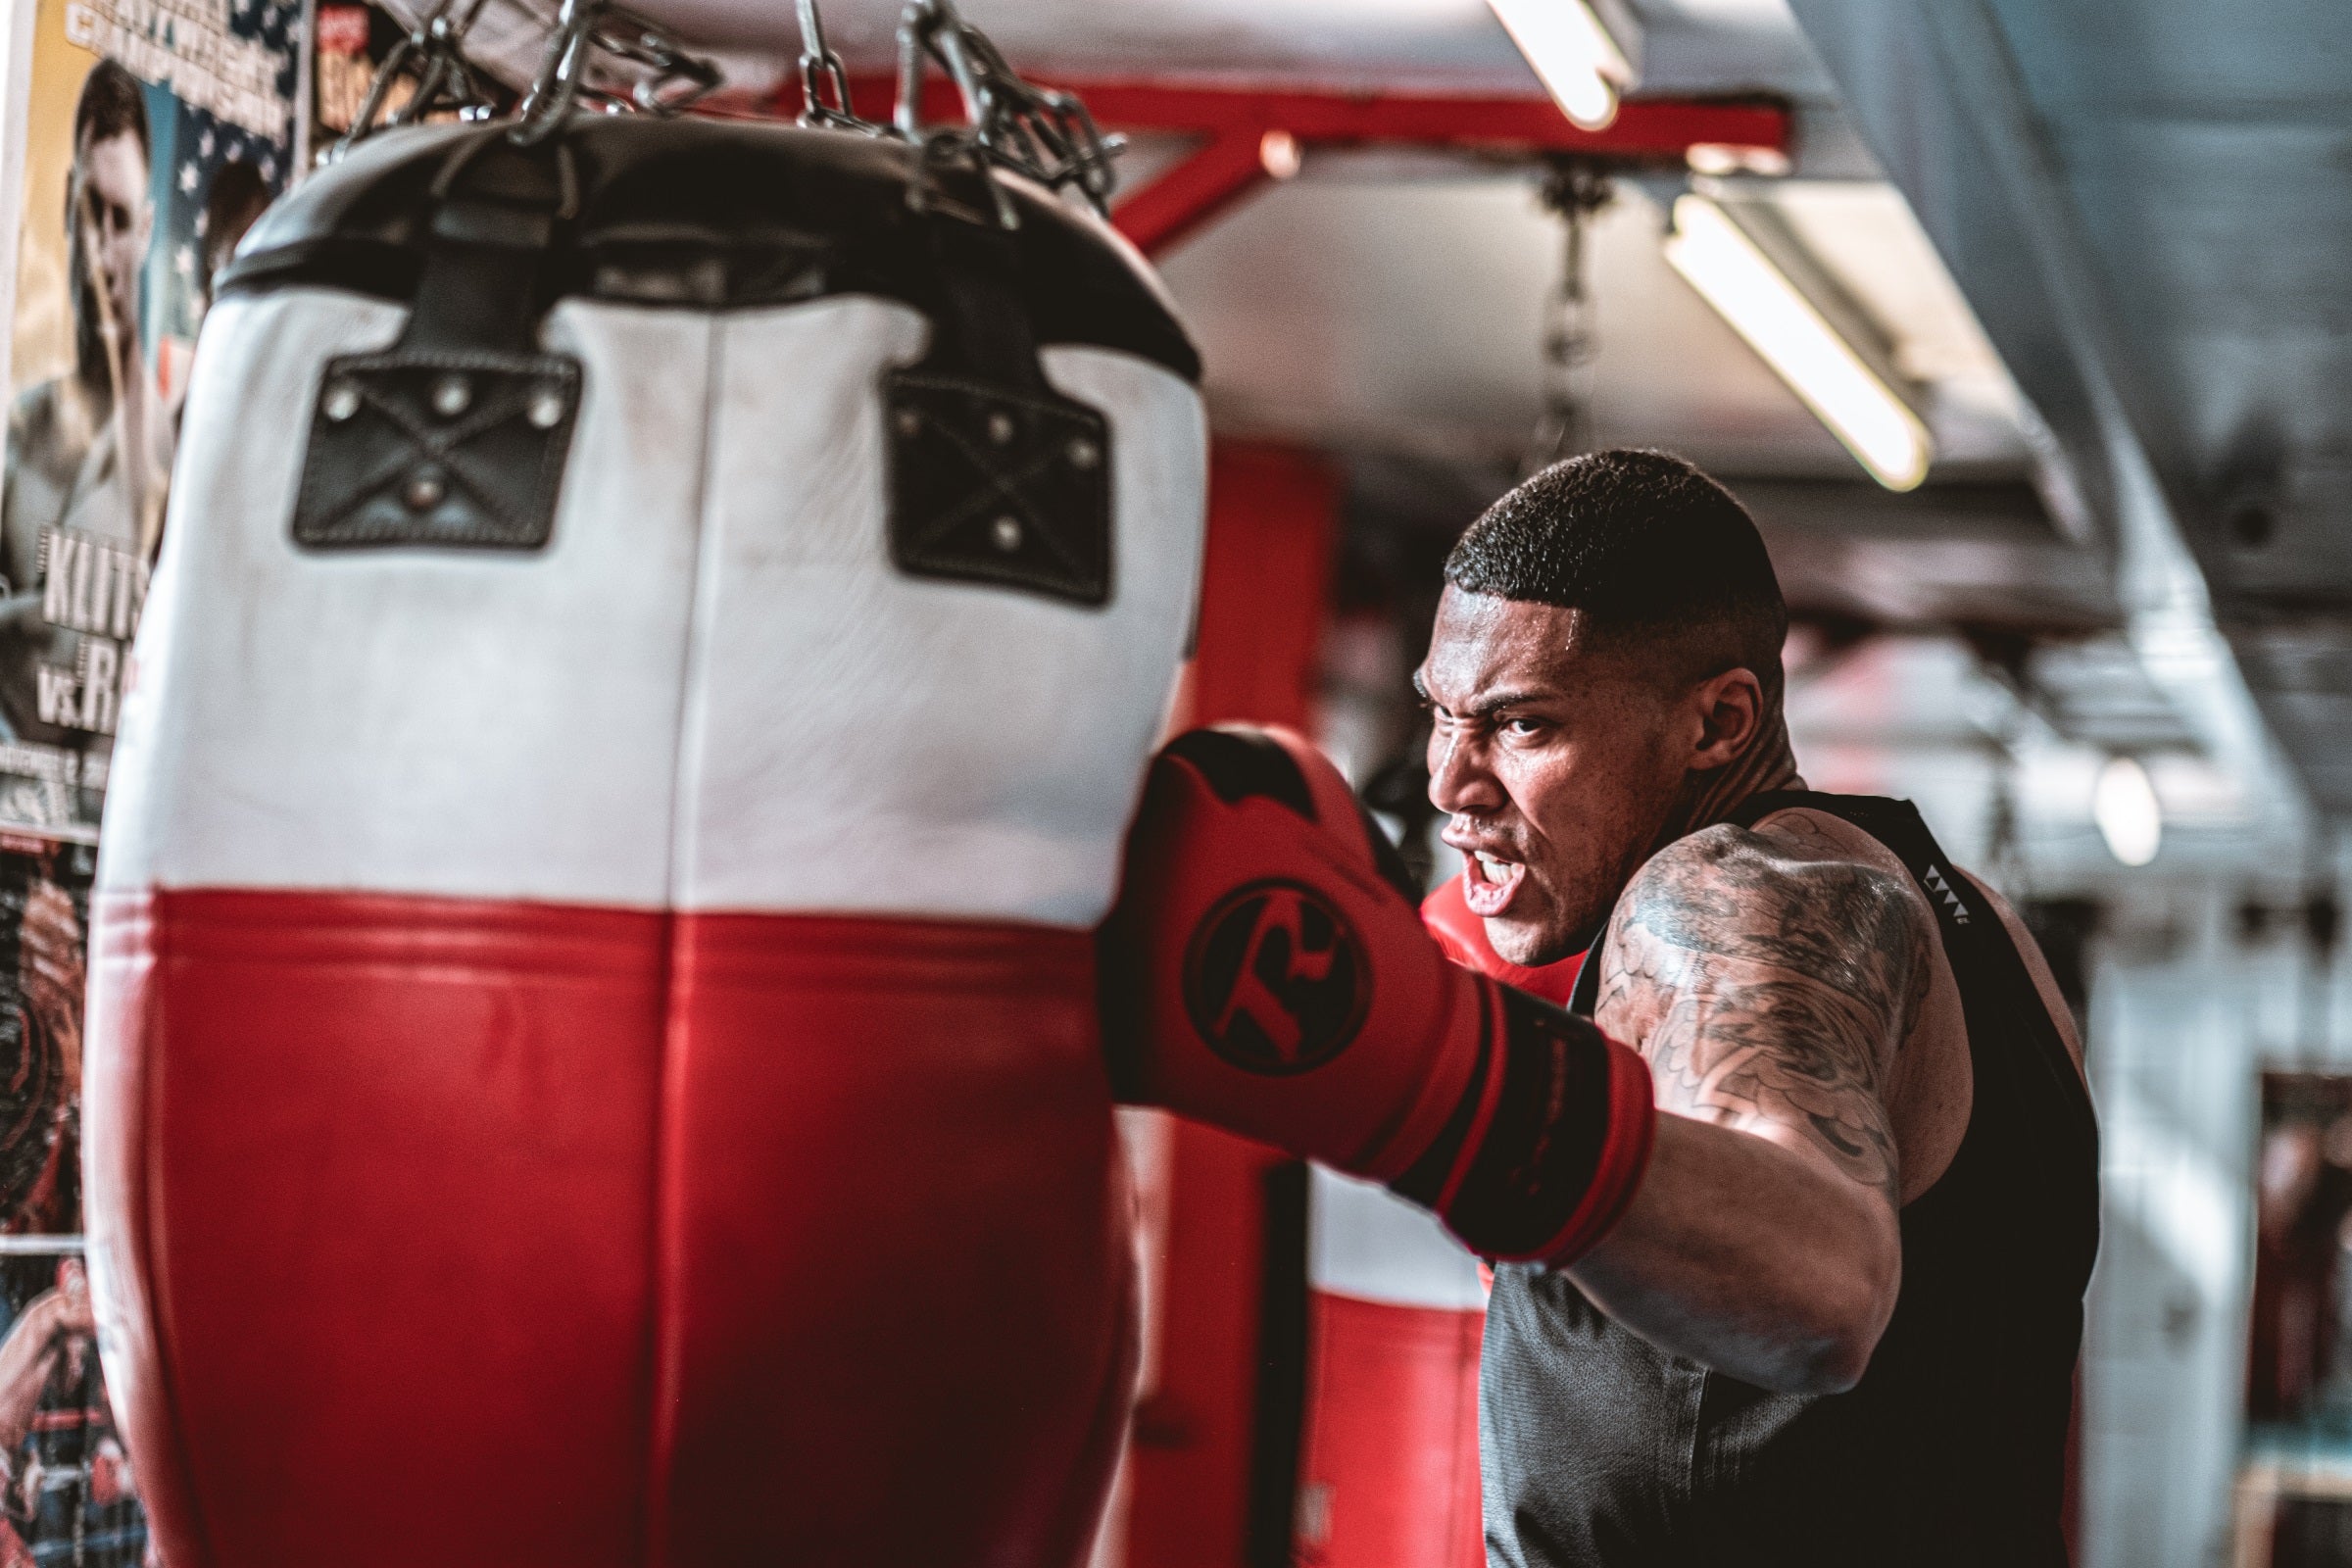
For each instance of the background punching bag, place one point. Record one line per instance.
(1388, 1474)
(593, 1054)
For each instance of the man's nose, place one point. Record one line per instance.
(1459, 779)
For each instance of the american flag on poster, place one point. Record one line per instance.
(215, 55)
(221, 166)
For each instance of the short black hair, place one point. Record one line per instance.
(111, 104)
(1647, 547)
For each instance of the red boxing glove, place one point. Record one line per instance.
(1463, 936)
(1266, 971)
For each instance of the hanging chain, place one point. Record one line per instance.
(446, 80)
(1574, 191)
(824, 81)
(586, 29)
(1036, 133)
(674, 81)
(548, 103)
(2006, 864)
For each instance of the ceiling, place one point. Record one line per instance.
(2148, 205)
(2111, 367)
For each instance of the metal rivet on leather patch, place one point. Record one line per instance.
(341, 402)
(424, 490)
(547, 408)
(909, 423)
(1083, 455)
(1002, 429)
(1005, 534)
(453, 395)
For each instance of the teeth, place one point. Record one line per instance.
(1489, 862)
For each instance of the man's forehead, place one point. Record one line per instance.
(118, 154)
(1483, 642)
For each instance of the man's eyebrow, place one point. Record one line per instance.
(1488, 706)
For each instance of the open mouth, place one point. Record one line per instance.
(1491, 882)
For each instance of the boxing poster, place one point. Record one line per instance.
(67, 1492)
(353, 41)
(154, 133)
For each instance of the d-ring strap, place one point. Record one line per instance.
(455, 436)
(995, 476)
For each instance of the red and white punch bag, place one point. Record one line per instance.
(1388, 1474)
(592, 1054)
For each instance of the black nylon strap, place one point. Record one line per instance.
(1535, 1160)
(497, 208)
(995, 477)
(1424, 1181)
(456, 437)
(1553, 1118)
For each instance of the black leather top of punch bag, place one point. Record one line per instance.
(716, 214)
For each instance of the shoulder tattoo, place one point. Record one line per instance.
(1769, 988)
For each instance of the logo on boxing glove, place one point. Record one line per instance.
(1275, 978)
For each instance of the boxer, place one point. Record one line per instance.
(1835, 1320)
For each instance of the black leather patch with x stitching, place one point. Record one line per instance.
(991, 485)
(459, 450)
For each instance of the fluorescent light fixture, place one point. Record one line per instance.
(1581, 65)
(2123, 804)
(1796, 340)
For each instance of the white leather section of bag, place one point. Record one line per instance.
(862, 741)
(1364, 1241)
(712, 690)
(488, 723)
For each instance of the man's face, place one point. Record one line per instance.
(112, 218)
(1557, 764)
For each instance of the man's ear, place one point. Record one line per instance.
(1730, 714)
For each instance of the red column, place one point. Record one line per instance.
(1199, 1460)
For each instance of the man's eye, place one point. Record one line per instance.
(1522, 726)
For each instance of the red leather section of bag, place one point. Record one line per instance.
(602, 1237)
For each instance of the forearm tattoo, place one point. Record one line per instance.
(1769, 982)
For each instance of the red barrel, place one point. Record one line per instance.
(1389, 1474)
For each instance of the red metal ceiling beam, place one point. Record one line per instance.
(1234, 122)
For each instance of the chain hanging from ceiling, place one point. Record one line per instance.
(587, 29)
(1040, 134)
(1036, 132)
(445, 82)
(1574, 190)
(824, 81)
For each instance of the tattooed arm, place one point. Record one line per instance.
(1769, 977)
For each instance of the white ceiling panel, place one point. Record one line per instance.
(1356, 311)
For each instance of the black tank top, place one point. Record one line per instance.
(1598, 1448)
